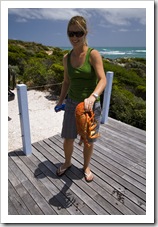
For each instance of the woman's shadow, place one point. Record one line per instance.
(63, 197)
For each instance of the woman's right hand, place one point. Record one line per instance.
(59, 107)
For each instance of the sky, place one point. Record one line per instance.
(107, 27)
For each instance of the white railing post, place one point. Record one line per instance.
(24, 118)
(107, 96)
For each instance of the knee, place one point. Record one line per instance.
(68, 142)
(88, 148)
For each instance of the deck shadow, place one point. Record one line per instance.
(18, 152)
(63, 196)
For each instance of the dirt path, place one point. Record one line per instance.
(44, 121)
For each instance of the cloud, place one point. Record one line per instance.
(127, 30)
(123, 30)
(21, 20)
(46, 14)
(113, 16)
(123, 16)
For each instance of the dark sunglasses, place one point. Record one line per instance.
(77, 34)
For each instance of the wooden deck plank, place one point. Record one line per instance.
(123, 136)
(11, 208)
(124, 132)
(111, 154)
(43, 188)
(59, 186)
(112, 171)
(35, 194)
(118, 188)
(95, 168)
(80, 192)
(115, 167)
(111, 137)
(26, 198)
(100, 156)
(17, 201)
(76, 177)
(125, 128)
(93, 185)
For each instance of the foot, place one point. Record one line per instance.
(88, 175)
(62, 169)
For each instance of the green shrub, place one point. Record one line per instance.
(35, 73)
(141, 91)
(34, 67)
(128, 108)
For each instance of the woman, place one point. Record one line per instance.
(84, 80)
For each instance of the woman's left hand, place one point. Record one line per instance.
(88, 103)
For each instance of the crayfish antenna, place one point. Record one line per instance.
(86, 143)
(81, 141)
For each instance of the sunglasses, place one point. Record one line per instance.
(77, 34)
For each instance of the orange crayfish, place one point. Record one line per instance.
(86, 124)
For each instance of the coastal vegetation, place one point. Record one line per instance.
(40, 67)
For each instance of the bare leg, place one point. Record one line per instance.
(68, 149)
(87, 153)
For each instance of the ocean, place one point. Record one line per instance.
(119, 52)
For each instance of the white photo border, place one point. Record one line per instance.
(149, 217)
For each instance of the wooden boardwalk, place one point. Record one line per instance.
(118, 164)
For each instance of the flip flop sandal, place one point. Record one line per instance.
(87, 176)
(61, 172)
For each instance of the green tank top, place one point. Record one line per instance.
(83, 80)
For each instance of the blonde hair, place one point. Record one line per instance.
(80, 22)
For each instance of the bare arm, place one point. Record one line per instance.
(66, 82)
(97, 63)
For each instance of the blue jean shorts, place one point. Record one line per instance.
(69, 129)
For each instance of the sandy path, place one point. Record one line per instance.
(44, 121)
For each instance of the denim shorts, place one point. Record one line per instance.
(69, 129)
